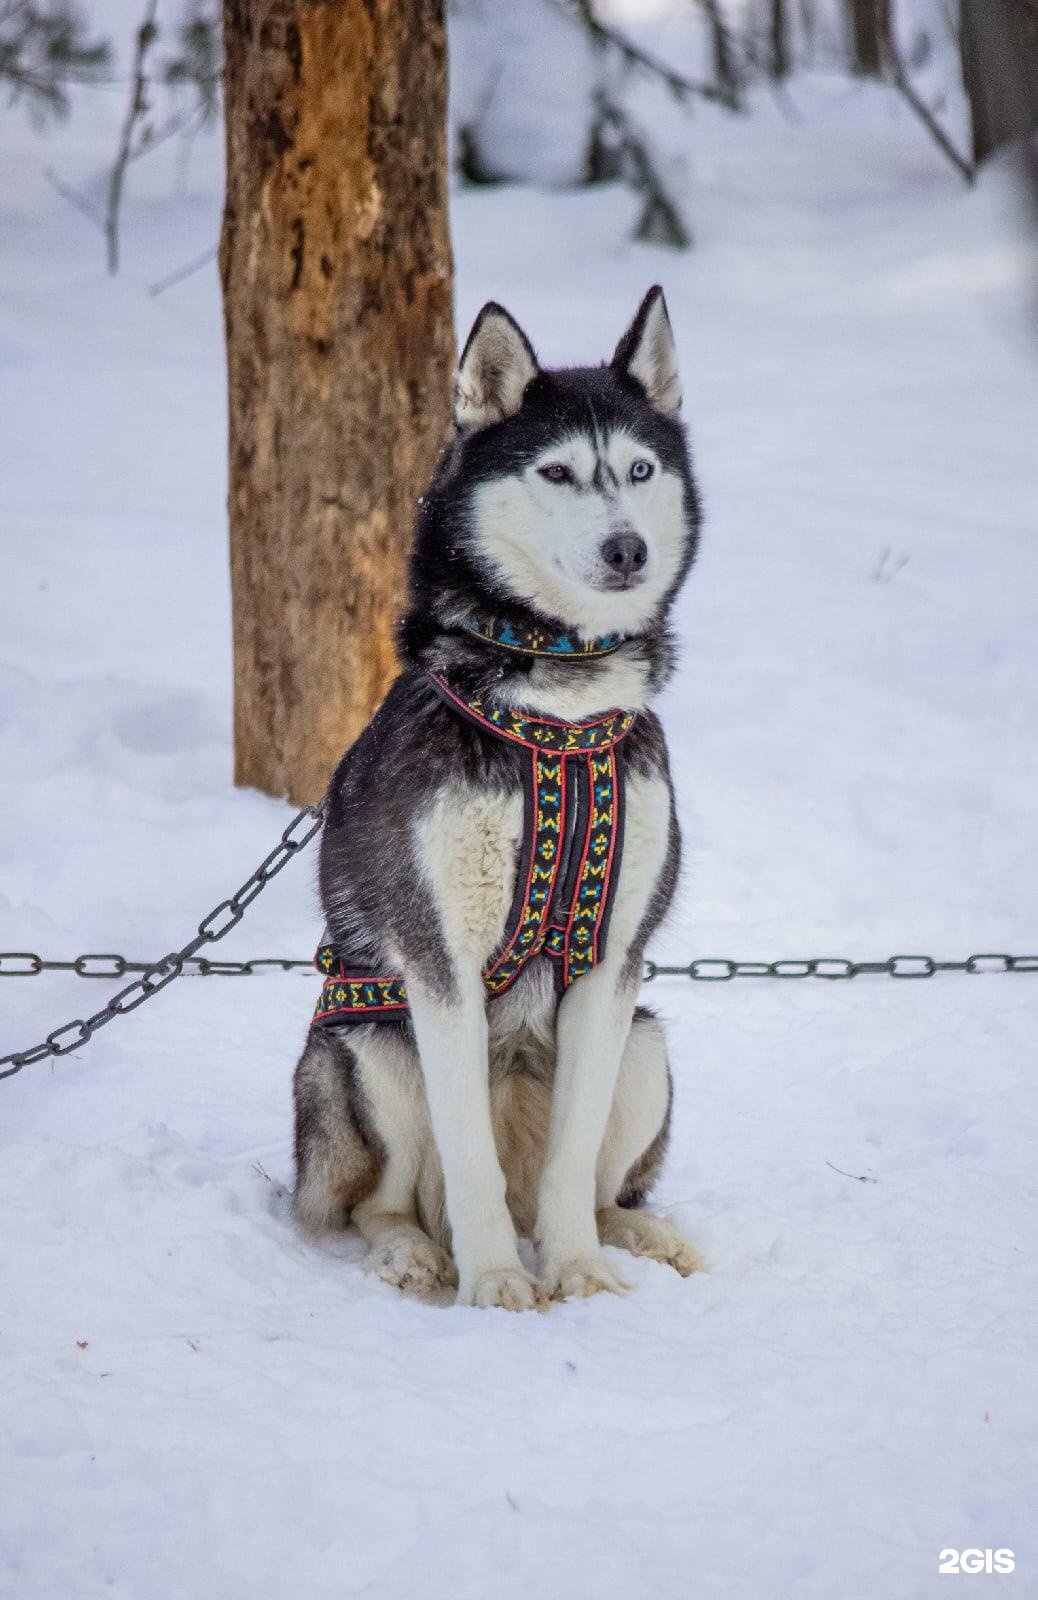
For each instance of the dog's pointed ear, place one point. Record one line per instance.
(496, 365)
(646, 353)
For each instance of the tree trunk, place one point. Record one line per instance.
(778, 35)
(336, 269)
(868, 26)
(999, 45)
(726, 71)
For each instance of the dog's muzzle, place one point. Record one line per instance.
(625, 555)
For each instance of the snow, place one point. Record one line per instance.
(505, 68)
(196, 1401)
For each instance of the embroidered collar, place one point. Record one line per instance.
(572, 842)
(529, 639)
(538, 733)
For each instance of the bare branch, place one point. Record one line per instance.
(75, 200)
(859, 1177)
(725, 51)
(187, 122)
(181, 273)
(146, 35)
(634, 55)
(903, 84)
(877, 32)
(661, 221)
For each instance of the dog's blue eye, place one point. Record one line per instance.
(640, 470)
(555, 472)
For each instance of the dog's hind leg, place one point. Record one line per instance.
(337, 1160)
(633, 1149)
(401, 1252)
(362, 1132)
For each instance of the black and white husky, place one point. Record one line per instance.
(501, 842)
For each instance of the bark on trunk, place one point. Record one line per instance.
(336, 269)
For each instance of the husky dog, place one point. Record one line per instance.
(478, 1068)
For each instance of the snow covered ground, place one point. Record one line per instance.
(196, 1402)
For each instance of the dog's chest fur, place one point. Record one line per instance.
(469, 846)
(468, 849)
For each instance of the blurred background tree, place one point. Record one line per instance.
(999, 41)
(555, 92)
(45, 49)
(335, 254)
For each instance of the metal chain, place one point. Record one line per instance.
(155, 975)
(27, 964)
(714, 969)
(704, 969)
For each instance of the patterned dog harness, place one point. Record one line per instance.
(568, 866)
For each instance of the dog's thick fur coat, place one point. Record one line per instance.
(566, 502)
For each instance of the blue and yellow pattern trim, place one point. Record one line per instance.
(532, 640)
(356, 996)
(572, 838)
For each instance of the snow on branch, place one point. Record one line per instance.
(634, 55)
(661, 221)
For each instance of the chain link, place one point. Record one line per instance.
(704, 969)
(155, 975)
(193, 966)
(718, 969)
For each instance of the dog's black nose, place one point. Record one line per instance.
(625, 553)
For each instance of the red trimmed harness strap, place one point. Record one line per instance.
(572, 840)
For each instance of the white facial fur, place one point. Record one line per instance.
(544, 540)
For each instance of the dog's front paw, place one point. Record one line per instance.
(510, 1288)
(412, 1262)
(582, 1276)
